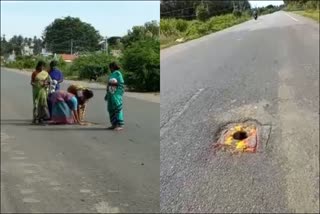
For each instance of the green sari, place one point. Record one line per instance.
(40, 96)
(114, 99)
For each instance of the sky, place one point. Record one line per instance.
(264, 3)
(110, 18)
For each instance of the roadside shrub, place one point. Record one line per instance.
(193, 28)
(29, 63)
(103, 79)
(310, 5)
(92, 72)
(248, 13)
(237, 13)
(22, 62)
(204, 28)
(85, 65)
(168, 27)
(141, 64)
(181, 25)
(294, 6)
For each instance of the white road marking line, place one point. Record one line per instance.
(104, 207)
(85, 190)
(26, 191)
(18, 158)
(113, 191)
(172, 120)
(18, 152)
(57, 188)
(28, 171)
(292, 17)
(54, 183)
(30, 200)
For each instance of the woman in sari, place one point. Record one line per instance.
(64, 108)
(40, 81)
(57, 78)
(55, 74)
(83, 94)
(115, 91)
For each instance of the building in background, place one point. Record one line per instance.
(27, 49)
(68, 57)
(12, 57)
(44, 52)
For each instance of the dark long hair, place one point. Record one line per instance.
(40, 65)
(113, 66)
(53, 63)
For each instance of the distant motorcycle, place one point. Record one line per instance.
(255, 15)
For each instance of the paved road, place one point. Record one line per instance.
(266, 70)
(74, 168)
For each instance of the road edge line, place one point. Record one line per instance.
(292, 17)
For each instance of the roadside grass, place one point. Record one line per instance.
(172, 30)
(313, 14)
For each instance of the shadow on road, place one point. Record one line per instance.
(51, 128)
(21, 122)
(54, 127)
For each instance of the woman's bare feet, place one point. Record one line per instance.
(118, 128)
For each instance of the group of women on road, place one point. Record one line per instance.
(55, 106)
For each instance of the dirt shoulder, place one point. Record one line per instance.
(149, 96)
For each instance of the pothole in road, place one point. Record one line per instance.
(240, 135)
(243, 136)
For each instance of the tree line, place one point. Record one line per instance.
(17, 42)
(71, 35)
(188, 9)
(302, 4)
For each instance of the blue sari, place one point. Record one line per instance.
(55, 74)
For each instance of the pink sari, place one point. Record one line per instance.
(61, 108)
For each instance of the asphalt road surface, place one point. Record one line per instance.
(79, 169)
(266, 70)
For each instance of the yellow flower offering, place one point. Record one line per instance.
(241, 145)
(228, 141)
(238, 128)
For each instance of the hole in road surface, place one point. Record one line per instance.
(240, 135)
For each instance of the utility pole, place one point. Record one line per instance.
(71, 46)
(106, 44)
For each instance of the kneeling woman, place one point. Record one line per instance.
(64, 108)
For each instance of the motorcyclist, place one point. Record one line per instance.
(255, 14)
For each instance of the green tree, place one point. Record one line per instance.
(187, 9)
(141, 62)
(138, 33)
(16, 44)
(38, 45)
(153, 28)
(88, 63)
(202, 12)
(4, 45)
(115, 42)
(64, 35)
